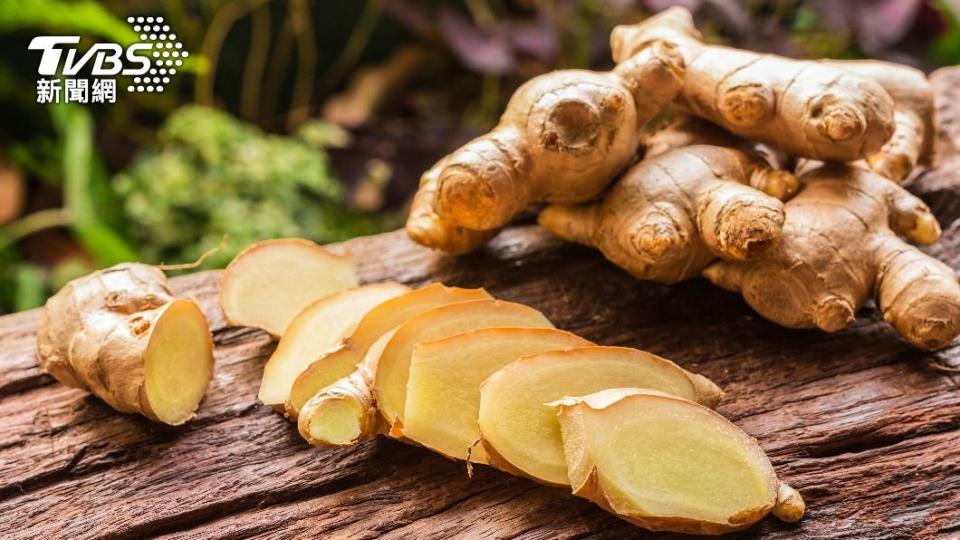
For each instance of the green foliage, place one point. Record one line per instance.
(213, 175)
(83, 16)
(86, 194)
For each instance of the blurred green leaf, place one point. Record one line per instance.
(80, 170)
(83, 16)
(30, 290)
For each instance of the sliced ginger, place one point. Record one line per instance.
(344, 413)
(318, 329)
(393, 369)
(443, 391)
(270, 282)
(121, 335)
(668, 464)
(520, 432)
(340, 363)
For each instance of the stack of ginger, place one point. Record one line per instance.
(772, 177)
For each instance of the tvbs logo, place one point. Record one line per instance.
(67, 76)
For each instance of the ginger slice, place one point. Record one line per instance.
(270, 282)
(390, 380)
(330, 367)
(520, 433)
(344, 413)
(443, 391)
(318, 329)
(668, 464)
(119, 334)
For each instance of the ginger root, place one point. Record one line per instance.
(668, 464)
(671, 215)
(320, 328)
(120, 334)
(520, 433)
(806, 108)
(839, 247)
(443, 390)
(267, 284)
(563, 137)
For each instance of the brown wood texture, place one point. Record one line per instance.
(867, 428)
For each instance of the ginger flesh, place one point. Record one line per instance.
(120, 334)
(340, 363)
(520, 432)
(671, 215)
(318, 329)
(344, 413)
(443, 390)
(563, 137)
(806, 108)
(270, 282)
(177, 363)
(840, 247)
(668, 464)
(393, 367)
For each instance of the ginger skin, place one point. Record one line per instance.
(563, 137)
(671, 215)
(806, 108)
(840, 247)
(913, 136)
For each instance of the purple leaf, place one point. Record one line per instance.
(660, 5)
(533, 38)
(485, 50)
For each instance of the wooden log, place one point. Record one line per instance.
(865, 426)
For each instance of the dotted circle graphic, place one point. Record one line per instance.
(166, 53)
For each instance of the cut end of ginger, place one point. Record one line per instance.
(336, 421)
(270, 282)
(319, 329)
(666, 463)
(443, 390)
(380, 320)
(178, 363)
(393, 369)
(520, 430)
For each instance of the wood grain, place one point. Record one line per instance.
(865, 426)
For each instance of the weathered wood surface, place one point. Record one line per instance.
(866, 427)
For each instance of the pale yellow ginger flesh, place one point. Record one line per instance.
(344, 413)
(270, 282)
(443, 391)
(393, 369)
(668, 464)
(340, 363)
(120, 334)
(319, 329)
(520, 432)
(178, 362)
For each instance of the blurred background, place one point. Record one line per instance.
(316, 119)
